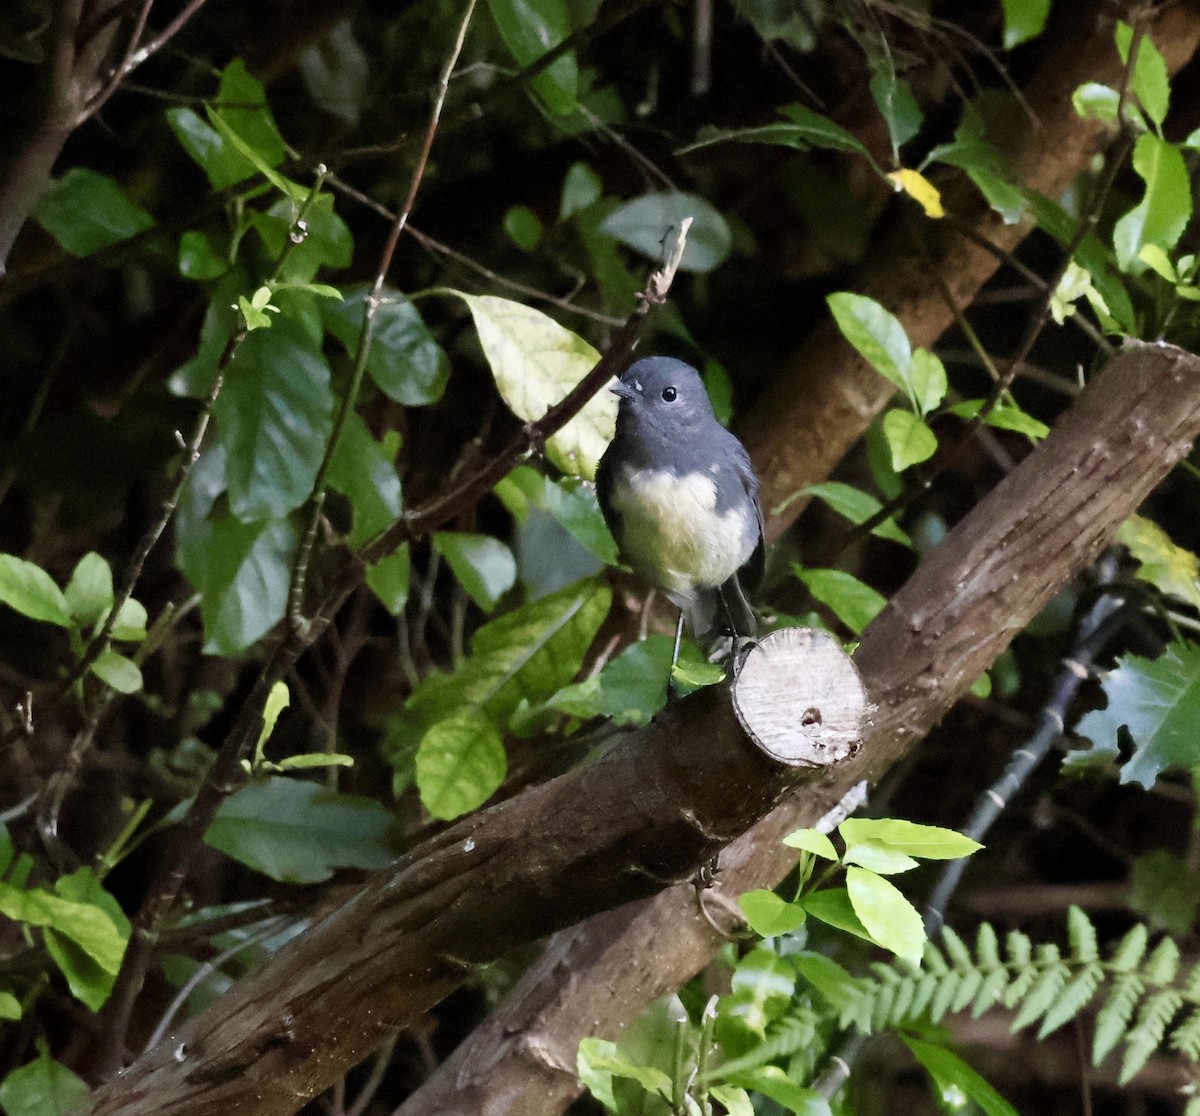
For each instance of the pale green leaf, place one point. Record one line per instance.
(31, 591)
(951, 1075)
(648, 224)
(768, 915)
(115, 670)
(854, 603)
(460, 764)
(89, 593)
(483, 565)
(529, 29)
(43, 1087)
(877, 335)
(813, 841)
(536, 362)
(891, 920)
(908, 438)
(1163, 213)
(929, 842)
(1170, 568)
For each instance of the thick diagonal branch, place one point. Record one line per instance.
(649, 813)
(990, 576)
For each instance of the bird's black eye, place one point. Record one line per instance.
(668, 394)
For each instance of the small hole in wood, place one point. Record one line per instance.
(811, 716)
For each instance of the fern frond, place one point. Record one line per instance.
(1077, 994)
(1113, 1018)
(1046, 986)
(1162, 965)
(1156, 1012)
(793, 1033)
(1130, 950)
(1081, 935)
(1185, 1036)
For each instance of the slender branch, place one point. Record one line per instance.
(366, 334)
(1092, 636)
(135, 55)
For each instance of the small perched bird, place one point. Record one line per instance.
(680, 497)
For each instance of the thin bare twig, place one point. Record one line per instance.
(135, 55)
(366, 333)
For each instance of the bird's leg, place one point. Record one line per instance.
(739, 644)
(672, 689)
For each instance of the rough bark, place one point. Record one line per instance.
(990, 576)
(649, 813)
(828, 391)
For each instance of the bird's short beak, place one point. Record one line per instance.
(623, 390)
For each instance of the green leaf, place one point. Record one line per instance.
(363, 470)
(1024, 20)
(735, 1100)
(10, 1006)
(761, 989)
(852, 602)
(242, 107)
(1165, 890)
(32, 592)
(804, 129)
(527, 654)
(483, 565)
(130, 624)
(200, 257)
(89, 593)
(1003, 416)
(1158, 702)
(90, 980)
(1163, 213)
(85, 923)
(460, 764)
(241, 570)
(591, 1058)
(908, 438)
(582, 188)
(115, 670)
(278, 699)
(1168, 567)
(523, 227)
(536, 362)
(628, 691)
(599, 1058)
(85, 212)
(857, 506)
(571, 502)
(1094, 101)
(388, 579)
(833, 907)
(878, 858)
(298, 832)
(768, 915)
(43, 1087)
(928, 380)
(647, 223)
(951, 1075)
(813, 841)
(405, 362)
(929, 842)
(898, 106)
(1151, 81)
(824, 974)
(876, 333)
(891, 920)
(775, 1084)
(529, 29)
(274, 417)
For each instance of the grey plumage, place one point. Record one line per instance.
(679, 494)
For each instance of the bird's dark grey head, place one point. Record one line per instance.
(663, 392)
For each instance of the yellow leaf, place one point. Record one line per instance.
(920, 189)
(1170, 568)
